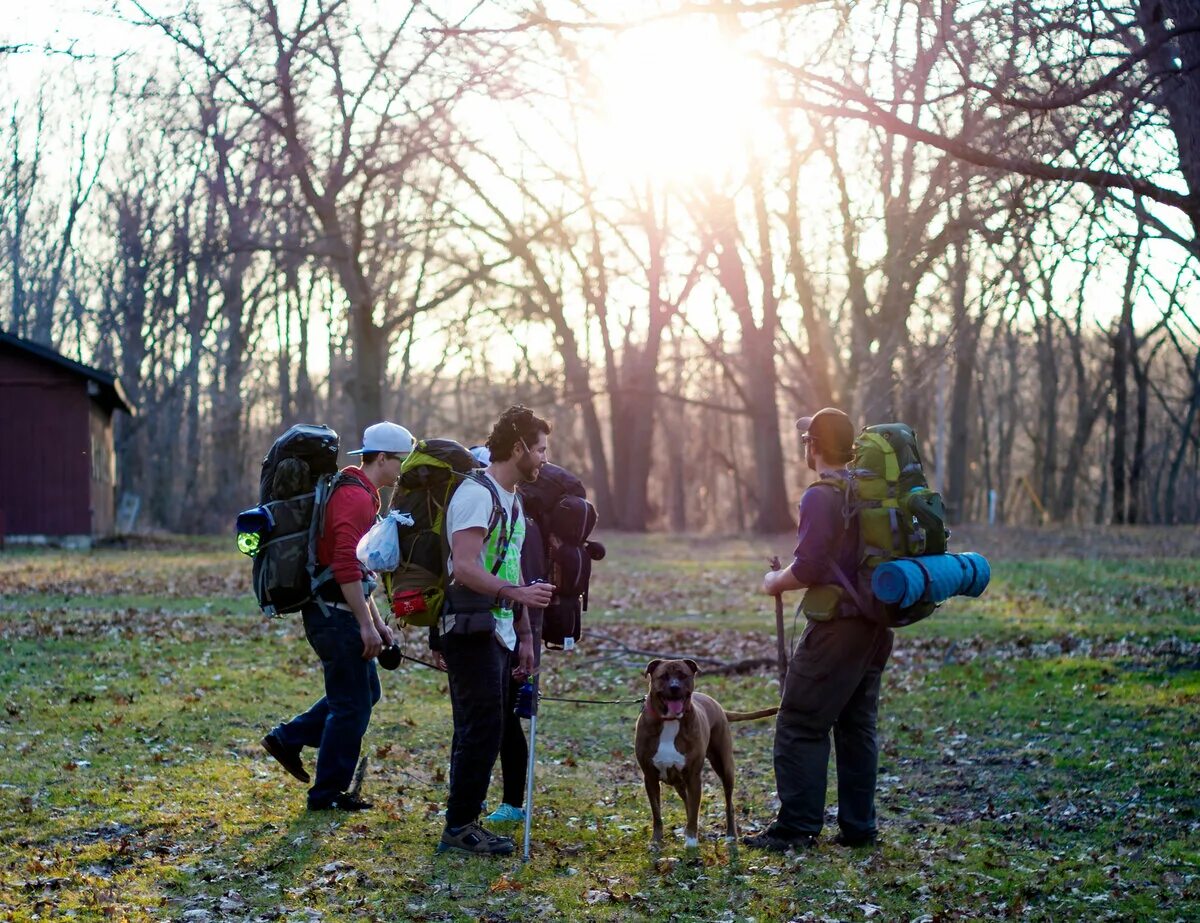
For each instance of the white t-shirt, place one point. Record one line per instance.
(471, 508)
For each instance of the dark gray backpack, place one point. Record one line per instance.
(299, 475)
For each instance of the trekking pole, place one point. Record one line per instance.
(781, 648)
(529, 771)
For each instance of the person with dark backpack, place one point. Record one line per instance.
(542, 498)
(834, 675)
(344, 627)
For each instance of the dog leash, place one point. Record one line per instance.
(424, 663)
(552, 698)
(545, 698)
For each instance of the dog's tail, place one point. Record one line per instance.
(751, 715)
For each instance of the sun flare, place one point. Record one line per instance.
(676, 102)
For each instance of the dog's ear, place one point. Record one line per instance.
(692, 665)
(652, 666)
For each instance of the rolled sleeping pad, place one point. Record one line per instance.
(933, 578)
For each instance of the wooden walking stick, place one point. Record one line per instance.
(781, 648)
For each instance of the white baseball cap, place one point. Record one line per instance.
(482, 455)
(386, 437)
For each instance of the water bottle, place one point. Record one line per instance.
(524, 705)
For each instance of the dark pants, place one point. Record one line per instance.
(833, 684)
(479, 698)
(337, 722)
(514, 751)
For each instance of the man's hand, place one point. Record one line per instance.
(381, 625)
(372, 642)
(533, 596)
(525, 663)
(777, 582)
(439, 661)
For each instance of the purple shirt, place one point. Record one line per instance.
(824, 536)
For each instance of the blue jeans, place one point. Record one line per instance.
(338, 720)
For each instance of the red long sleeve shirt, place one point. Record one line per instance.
(350, 513)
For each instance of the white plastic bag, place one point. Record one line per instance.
(379, 549)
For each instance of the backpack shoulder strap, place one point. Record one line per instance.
(849, 509)
(321, 502)
(507, 522)
(326, 486)
(498, 516)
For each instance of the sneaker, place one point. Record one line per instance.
(343, 802)
(775, 842)
(474, 839)
(854, 841)
(506, 814)
(287, 758)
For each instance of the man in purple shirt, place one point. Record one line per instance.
(834, 674)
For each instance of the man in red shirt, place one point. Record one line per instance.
(347, 631)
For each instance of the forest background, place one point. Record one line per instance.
(669, 227)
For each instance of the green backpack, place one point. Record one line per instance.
(429, 476)
(899, 515)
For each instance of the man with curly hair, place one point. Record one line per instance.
(485, 616)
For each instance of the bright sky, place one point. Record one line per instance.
(89, 26)
(676, 101)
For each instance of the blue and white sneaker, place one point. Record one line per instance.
(506, 813)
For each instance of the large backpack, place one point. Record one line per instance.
(899, 516)
(299, 475)
(558, 506)
(429, 476)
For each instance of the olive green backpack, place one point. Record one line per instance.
(899, 517)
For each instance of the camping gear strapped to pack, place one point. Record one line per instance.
(429, 476)
(933, 577)
(899, 516)
(299, 475)
(564, 519)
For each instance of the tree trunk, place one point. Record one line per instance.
(1047, 438)
(1141, 379)
(1175, 67)
(1120, 415)
(966, 349)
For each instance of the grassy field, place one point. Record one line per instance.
(1040, 746)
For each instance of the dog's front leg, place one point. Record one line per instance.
(654, 794)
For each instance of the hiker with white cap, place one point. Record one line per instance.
(347, 631)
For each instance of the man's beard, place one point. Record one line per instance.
(528, 469)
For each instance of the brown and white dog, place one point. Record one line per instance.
(676, 730)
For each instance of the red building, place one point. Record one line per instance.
(57, 468)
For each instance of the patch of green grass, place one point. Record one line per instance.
(1018, 778)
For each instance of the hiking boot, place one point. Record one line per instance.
(343, 802)
(506, 814)
(474, 839)
(286, 757)
(854, 841)
(773, 841)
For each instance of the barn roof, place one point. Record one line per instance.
(108, 386)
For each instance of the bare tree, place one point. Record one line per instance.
(391, 95)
